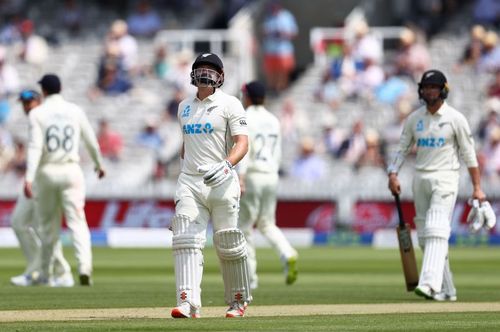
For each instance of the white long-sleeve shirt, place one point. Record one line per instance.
(264, 136)
(208, 127)
(440, 139)
(55, 128)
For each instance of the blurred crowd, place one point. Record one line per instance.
(359, 71)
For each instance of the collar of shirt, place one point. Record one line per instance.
(55, 96)
(210, 98)
(440, 111)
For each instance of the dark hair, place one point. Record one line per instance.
(50, 83)
(256, 91)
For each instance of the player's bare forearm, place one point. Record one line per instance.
(239, 149)
(476, 184)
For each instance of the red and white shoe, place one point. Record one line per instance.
(185, 310)
(236, 309)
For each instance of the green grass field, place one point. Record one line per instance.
(144, 278)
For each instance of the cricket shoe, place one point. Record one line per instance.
(425, 291)
(64, 280)
(291, 270)
(86, 280)
(442, 296)
(185, 310)
(23, 280)
(236, 309)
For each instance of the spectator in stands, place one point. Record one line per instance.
(180, 70)
(393, 131)
(279, 29)
(369, 79)
(491, 121)
(161, 66)
(6, 148)
(34, 49)
(293, 123)
(489, 61)
(9, 84)
(340, 80)
(71, 17)
(144, 21)
(172, 106)
(18, 162)
(474, 48)
(494, 88)
(490, 154)
(149, 136)
(9, 30)
(413, 57)
(112, 56)
(365, 44)
(112, 82)
(110, 141)
(373, 156)
(354, 145)
(171, 137)
(332, 136)
(127, 45)
(309, 166)
(428, 15)
(487, 13)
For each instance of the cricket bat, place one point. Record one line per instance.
(406, 250)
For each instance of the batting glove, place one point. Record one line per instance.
(490, 219)
(216, 174)
(475, 218)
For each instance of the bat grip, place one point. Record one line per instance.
(402, 224)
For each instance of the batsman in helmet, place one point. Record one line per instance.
(441, 134)
(215, 139)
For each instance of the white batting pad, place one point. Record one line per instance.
(448, 285)
(436, 250)
(187, 242)
(231, 248)
(437, 223)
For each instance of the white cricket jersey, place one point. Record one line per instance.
(264, 152)
(440, 138)
(208, 127)
(54, 135)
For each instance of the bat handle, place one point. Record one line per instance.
(400, 212)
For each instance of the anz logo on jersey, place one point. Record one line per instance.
(197, 128)
(430, 142)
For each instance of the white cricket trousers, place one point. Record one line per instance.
(435, 194)
(25, 227)
(258, 207)
(61, 189)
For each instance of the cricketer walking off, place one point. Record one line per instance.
(56, 128)
(441, 134)
(215, 138)
(259, 177)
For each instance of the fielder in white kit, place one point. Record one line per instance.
(215, 138)
(258, 173)
(56, 127)
(25, 227)
(441, 134)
